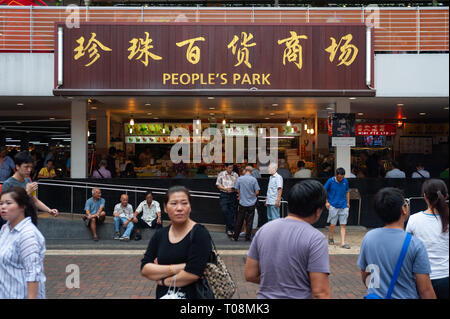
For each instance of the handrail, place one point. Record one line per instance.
(136, 189)
(415, 29)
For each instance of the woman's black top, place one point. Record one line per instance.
(195, 254)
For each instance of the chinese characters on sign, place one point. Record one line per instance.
(376, 129)
(302, 59)
(239, 46)
(91, 48)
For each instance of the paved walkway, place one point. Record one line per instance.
(118, 276)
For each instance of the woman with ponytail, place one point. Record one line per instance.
(431, 226)
(22, 248)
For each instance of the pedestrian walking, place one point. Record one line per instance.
(274, 191)
(22, 248)
(177, 254)
(338, 205)
(288, 257)
(431, 227)
(247, 189)
(386, 275)
(23, 162)
(225, 182)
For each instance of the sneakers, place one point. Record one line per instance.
(124, 238)
(116, 236)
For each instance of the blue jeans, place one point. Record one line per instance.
(273, 212)
(228, 205)
(121, 220)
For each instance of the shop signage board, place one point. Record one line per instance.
(213, 59)
(376, 129)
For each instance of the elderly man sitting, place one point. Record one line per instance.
(95, 212)
(123, 215)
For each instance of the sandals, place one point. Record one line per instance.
(330, 241)
(346, 246)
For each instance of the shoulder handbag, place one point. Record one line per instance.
(217, 275)
(398, 267)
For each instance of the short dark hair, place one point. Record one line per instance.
(148, 193)
(340, 171)
(395, 164)
(176, 189)
(306, 197)
(388, 204)
(228, 164)
(23, 157)
(300, 164)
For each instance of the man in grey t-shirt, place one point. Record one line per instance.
(288, 257)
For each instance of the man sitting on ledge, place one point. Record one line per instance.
(123, 215)
(95, 211)
(147, 215)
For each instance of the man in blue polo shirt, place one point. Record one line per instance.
(338, 204)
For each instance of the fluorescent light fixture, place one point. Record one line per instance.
(352, 98)
(368, 57)
(60, 55)
(19, 104)
(422, 113)
(211, 97)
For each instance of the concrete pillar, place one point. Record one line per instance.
(103, 120)
(79, 143)
(342, 153)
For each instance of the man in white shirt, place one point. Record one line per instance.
(395, 172)
(274, 191)
(302, 171)
(147, 215)
(420, 172)
(123, 215)
(228, 198)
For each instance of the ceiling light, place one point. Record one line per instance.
(155, 118)
(149, 113)
(211, 97)
(94, 108)
(352, 98)
(446, 108)
(272, 114)
(267, 118)
(360, 113)
(311, 131)
(275, 104)
(212, 114)
(422, 113)
(400, 104)
(51, 118)
(147, 104)
(132, 121)
(19, 104)
(329, 108)
(212, 108)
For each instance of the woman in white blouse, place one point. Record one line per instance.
(22, 248)
(431, 227)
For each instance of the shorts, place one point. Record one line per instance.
(337, 213)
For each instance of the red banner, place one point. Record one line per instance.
(376, 129)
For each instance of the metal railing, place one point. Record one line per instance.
(127, 189)
(31, 29)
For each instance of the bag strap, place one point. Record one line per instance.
(420, 174)
(398, 267)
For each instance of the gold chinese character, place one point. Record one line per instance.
(91, 48)
(243, 52)
(293, 51)
(349, 51)
(143, 47)
(193, 52)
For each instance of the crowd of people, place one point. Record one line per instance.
(177, 255)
